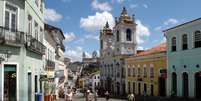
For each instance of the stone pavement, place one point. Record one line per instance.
(99, 99)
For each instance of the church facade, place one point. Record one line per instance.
(115, 45)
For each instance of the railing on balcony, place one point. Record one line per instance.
(11, 37)
(50, 64)
(34, 45)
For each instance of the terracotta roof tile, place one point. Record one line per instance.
(159, 48)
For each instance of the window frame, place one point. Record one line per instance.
(173, 44)
(183, 42)
(11, 12)
(194, 39)
(128, 35)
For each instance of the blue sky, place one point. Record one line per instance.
(81, 20)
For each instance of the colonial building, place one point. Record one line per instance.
(146, 72)
(184, 55)
(115, 45)
(21, 49)
(56, 67)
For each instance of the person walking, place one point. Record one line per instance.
(132, 97)
(107, 95)
(69, 96)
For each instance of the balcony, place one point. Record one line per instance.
(11, 37)
(34, 45)
(50, 65)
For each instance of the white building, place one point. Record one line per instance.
(95, 80)
(115, 45)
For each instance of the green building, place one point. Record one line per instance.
(21, 49)
(184, 59)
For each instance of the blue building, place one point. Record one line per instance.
(184, 59)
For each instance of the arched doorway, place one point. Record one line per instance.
(118, 88)
(198, 85)
(139, 89)
(185, 84)
(162, 86)
(174, 84)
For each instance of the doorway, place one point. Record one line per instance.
(174, 84)
(162, 86)
(29, 87)
(152, 90)
(10, 83)
(139, 88)
(198, 85)
(185, 84)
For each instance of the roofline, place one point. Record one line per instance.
(56, 29)
(182, 24)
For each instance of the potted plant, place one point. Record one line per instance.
(46, 91)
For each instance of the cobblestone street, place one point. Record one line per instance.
(99, 99)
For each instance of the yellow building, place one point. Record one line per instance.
(146, 72)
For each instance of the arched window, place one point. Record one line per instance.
(184, 42)
(128, 35)
(197, 39)
(117, 36)
(174, 46)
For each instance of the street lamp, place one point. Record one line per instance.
(5, 55)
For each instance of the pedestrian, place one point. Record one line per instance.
(132, 97)
(89, 96)
(87, 93)
(95, 95)
(107, 95)
(68, 94)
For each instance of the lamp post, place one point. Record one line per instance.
(4, 56)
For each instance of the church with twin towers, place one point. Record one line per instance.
(116, 44)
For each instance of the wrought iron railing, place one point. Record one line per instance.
(11, 36)
(34, 45)
(50, 64)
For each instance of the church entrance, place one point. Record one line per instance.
(10, 84)
(198, 85)
(185, 85)
(162, 86)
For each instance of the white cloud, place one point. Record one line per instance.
(140, 48)
(52, 15)
(163, 40)
(142, 32)
(159, 28)
(120, 1)
(133, 6)
(167, 23)
(105, 6)
(171, 21)
(69, 36)
(97, 21)
(145, 5)
(94, 37)
(75, 54)
(66, 0)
